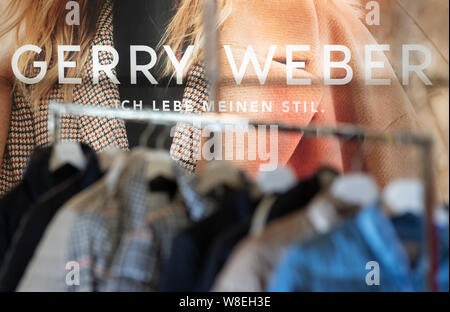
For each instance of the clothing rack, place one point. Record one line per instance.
(425, 143)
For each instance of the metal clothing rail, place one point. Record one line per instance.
(424, 143)
(57, 110)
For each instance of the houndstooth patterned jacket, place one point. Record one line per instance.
(186, 141)
(28, 126)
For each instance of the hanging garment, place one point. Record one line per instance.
(190, 248)
(34, 223)
(255, 258)
(222, 246)
(28, 127)
(101, 210)
(358, 103)
(365, 254)
(116, 238)
(38, 180)
(47, 270)
(139, 260)
(198, 206)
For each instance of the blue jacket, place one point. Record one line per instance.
(343, 259)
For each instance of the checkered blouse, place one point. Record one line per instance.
(28, 127)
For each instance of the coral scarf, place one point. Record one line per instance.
(316, 23)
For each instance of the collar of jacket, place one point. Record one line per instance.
(40, 180)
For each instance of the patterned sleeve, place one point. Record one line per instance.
(186, 142)
(99, 133)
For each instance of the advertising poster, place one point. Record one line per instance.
(226, 154)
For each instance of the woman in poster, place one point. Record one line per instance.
(315, 23)
(23, 113)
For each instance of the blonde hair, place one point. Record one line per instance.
(186, 28)
(43, 23)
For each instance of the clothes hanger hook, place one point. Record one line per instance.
(162, 137)
(145, 136)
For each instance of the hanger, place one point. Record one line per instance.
(146, 134)
(160, 172)
(277, 181)
(162, 138)
(356, 188)
(441, 217)
(149, 131)
(283, 197)
(67, 153)
(404, 196)
(160, 165)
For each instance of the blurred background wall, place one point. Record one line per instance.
(423, 22)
